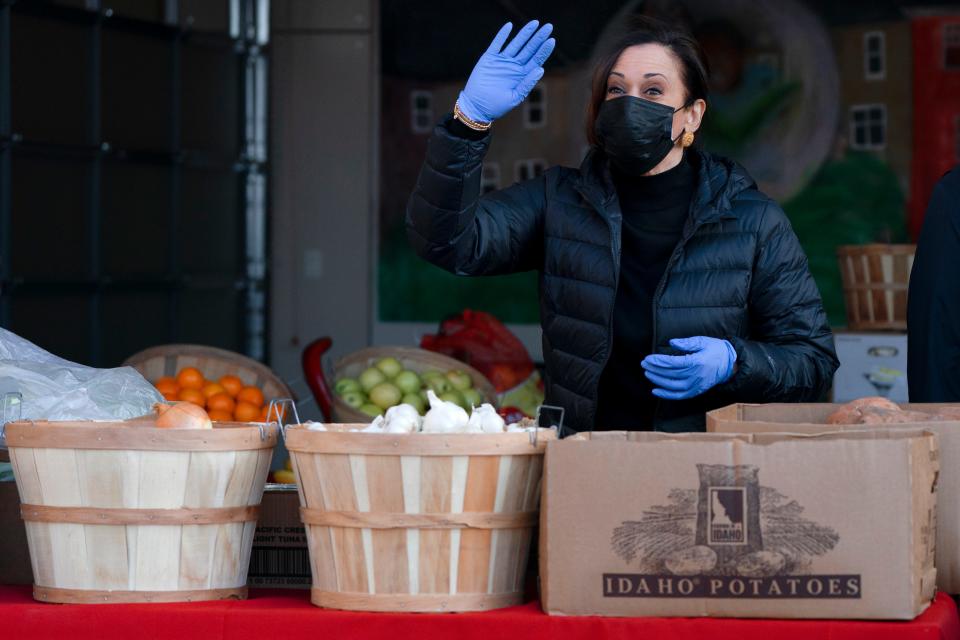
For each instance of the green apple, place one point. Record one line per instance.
(346, 384)
(472, 397)
(430, 373)
(355, 399)
(455, 397)
(414, 400)
(439, 384)
(371, 410)
(389, 366)
(370, 378)
(408, 382)
(460, 380)
(385, 395)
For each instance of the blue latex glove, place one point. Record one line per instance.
(502, 79)
(709, 362)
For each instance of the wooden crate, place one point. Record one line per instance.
(418, 360)
(417, 522)
(117, 513)
(168, 359)
(875, 282)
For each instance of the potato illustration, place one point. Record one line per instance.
(761, 564)
(691, 561)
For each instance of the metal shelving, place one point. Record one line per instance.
(177, 140)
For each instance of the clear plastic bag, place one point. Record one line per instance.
(56, 389)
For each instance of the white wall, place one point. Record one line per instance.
(324, 75)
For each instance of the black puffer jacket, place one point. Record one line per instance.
(738, 273)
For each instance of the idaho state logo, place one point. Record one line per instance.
(731, 538)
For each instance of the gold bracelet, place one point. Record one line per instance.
(458, 114)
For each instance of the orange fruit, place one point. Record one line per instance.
(190, 378)
(253, 395)
(221, 402)
(167, 385)
(212, 389)
(231, 384)
(172, 397)
(220, 416)
(192, 395)
(273, 414)
(246, 412)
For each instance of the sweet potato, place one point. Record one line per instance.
(883, 411)
(882, 415)
(852, 412)
(844, 415)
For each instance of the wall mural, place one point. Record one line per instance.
(820, 100)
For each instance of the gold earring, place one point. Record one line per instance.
(687, 139)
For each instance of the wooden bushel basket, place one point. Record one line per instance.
(119, 513)
(419, 522)
(168, 359)
(875, 282)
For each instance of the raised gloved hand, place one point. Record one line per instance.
(708, 362)
(502, 79)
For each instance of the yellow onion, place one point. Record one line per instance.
(181, 415)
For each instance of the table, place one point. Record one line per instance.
(286, 615)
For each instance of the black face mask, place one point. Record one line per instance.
(636, 134)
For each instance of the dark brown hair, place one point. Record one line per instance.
(646, 30)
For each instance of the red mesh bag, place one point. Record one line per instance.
(482, 341)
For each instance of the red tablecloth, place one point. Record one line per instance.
(287, 615)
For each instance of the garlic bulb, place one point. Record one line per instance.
(444, 417)
(485, 419)
(402, 418)
(475, 424)
(374, 427)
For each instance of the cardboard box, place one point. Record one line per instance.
(280, 557)
(811, 418)
(763, 525)
(871, 364)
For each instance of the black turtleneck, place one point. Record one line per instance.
(654, 209)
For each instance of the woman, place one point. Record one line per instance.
(669, 285)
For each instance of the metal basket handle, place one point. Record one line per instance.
(274, 410)
(556, 427)
(10, 410)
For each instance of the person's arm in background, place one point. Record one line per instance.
(933, 314)
(449, 222)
